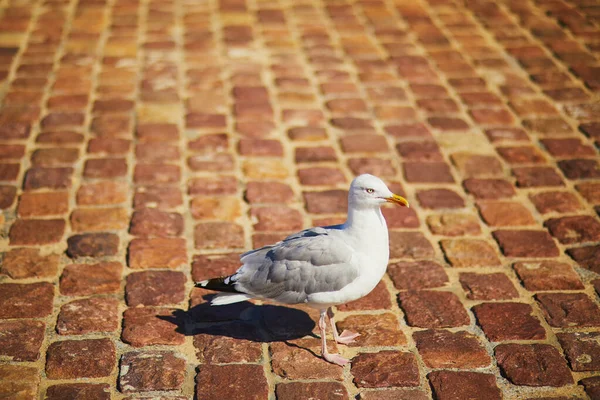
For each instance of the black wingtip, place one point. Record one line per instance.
(221, 284)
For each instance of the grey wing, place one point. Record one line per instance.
(312, 261)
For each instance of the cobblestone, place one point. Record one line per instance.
(145, 144)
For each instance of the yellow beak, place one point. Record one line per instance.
(397, 200)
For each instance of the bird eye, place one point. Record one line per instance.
(370, 191)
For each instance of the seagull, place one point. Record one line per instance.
(321, 267)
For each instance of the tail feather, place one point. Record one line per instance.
(226, 285)
(221, 284)
(228, 298)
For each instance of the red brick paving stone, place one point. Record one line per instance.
(529, 106)
(268, 192)
(253, 128)
(155, 288)
(547, 275)
(157, 253)
(427, 172)
(206, 266)
(581, 349)
(411, 245)
(508, 321)
(438, 106)
(48, 178)
(384, 369)
(108, 146)
(146, 326)
(433, 309)
(105, 168)
(216, 348)
(453, 224)
(419, 151)
(15, 130)
(521, 155)
(94, 314)
(590, 191)
(580, 168)
(375, 330)
(502, 213)
(326, 202)
(156, 152)
(373, 166)
(57, 119)
(489, 188)
(592, 386)
(260, 148)
(43, 204)
(576, 229)
(526, 243)
(157, 132)
(9, 172)
(218, 185)
(21, 380)
(440, 348)
(87, 279)
(533, 365)
(567, 148)
(112, 125)
(212, 162)
(311, 390)
(98, 219)
(214, 143)
(150, 222)
(537, 177)
(477, 165)
(400, 217)
(491, 116)
(102, 193)
(568, 310)
(448, 124)
(156, 174)
(548, 127)
(96, 391)
(20, 340)
(214, 235)
(26, 300)
(22, 263)
(561, 202)
(276, 218)
(314, 154)
(498, 135)
(394, 394)
(377, 299)
(11, 151)
(495, 286)
(587, 257)
(93, 245)
(161, 197)
(455, 385)
(321, 176)
(363, 143)
(89, 358)
(236, 381)
(299, 361)
(307, 133)
(409, 131)
(203, 120)
(417, 275)
(591, 130)
(54, 157)
(439, 198)
(222, 208)
(151, 371)
(8, 195)
(469, 253)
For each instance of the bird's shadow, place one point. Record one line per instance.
(244, 320)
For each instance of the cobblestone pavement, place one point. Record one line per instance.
(144, 144)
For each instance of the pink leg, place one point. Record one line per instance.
(345, 337)
(332, 358)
